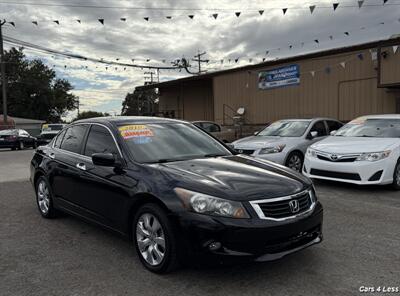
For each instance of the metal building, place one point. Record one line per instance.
(341, 83)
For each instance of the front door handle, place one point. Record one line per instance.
(52, 155)
(81, 166)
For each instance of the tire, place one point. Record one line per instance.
(44, 198)
(34, 146)
(13, 148)
(21, 146)
(160, 252)
(396, 176)
(295, 161)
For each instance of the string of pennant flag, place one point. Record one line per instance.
(359, 4)
(225, 60)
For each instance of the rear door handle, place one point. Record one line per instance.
(81, 166)
(52, 155)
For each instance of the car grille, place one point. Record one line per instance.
(280, 208)
(332, 157)
(352, 159)
(245, 151)
(336, 175)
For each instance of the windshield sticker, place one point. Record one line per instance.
(136, 132)
(359, 120)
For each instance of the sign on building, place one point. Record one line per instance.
(279, 77)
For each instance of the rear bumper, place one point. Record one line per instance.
(360, 172)
(251, 239)
(6, 144)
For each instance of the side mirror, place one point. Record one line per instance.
(230, 146)
(312, 135)
(332, 133)
(104, 159)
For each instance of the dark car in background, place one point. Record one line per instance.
(175, 191)
(16, 139)
(223, 134)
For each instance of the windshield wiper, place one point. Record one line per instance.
(214, 155)
(164, 160)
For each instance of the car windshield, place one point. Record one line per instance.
(164, 142)
(376, 128)
(285, 128)
(8, 132)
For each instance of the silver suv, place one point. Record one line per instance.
(285, 141)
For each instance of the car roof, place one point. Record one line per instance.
(381, 116)
(307, 119)
(129, 119)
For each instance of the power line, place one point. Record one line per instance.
(182, 8)
(43, 49)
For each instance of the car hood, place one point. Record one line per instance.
(339, 145)
(255, 142)
(236, 177)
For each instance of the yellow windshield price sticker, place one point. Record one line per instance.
(135, 131)
(359, 120)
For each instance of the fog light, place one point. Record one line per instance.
(214, 246)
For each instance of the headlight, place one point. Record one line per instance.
(374, 156)
(210, 205)
(274, 149)
(311, 152)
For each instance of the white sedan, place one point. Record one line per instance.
(364, 151)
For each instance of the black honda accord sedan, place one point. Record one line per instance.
(176, 191)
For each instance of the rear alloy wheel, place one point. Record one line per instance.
(21, 145)
(396, 176)
(154, 239)
(44, 198)
(295, 161)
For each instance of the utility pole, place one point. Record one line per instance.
(197, 58)
(3, 74)
(151, 76)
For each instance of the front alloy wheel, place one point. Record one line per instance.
(155, 239)
(21, 146)
(396, 176)
(44, 198)
(295, 161)
(150, 239)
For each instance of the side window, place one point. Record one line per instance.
(100, 141)
(58, 140)
(319, 127)
(74, 138)
(333, 125)
(211, 127)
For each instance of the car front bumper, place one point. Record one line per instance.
(278, 158)
(251, 239)
(358, 172)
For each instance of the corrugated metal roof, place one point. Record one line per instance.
(19, 120)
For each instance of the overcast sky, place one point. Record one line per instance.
(246, 37)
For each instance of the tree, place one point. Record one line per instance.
(140, 102)
(90, 114)
(34, 91)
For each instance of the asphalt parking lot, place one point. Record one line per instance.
(66, 256)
